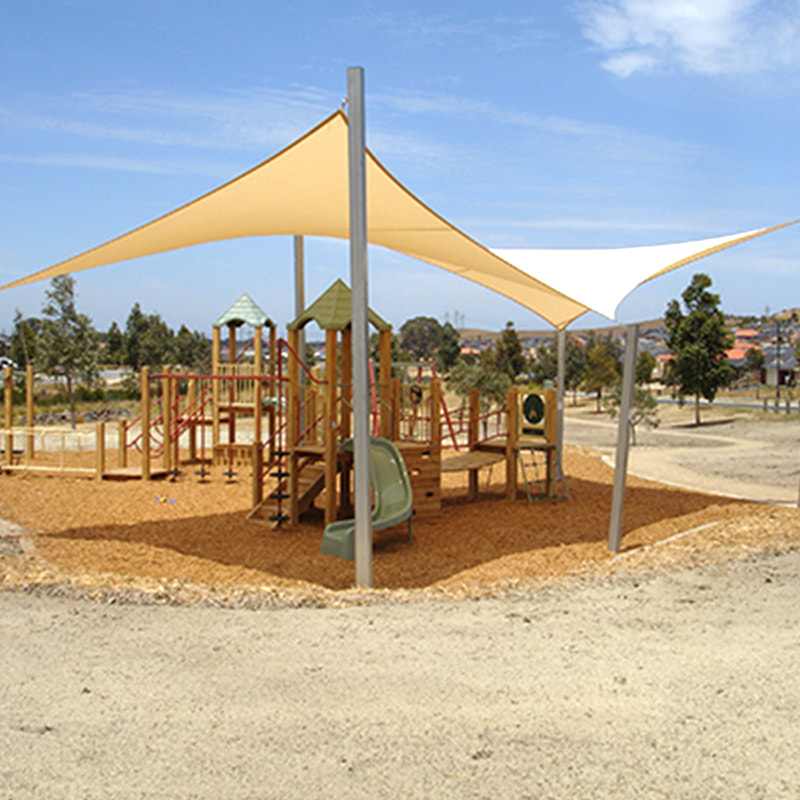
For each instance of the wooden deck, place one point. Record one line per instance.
(475, 459)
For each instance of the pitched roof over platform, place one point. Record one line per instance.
(332, 311)
(244, 311)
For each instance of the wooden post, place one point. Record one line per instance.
(29, 452)
(346, 414)
(472, 438)
(292, 426)
(191, 400)
(100, 450)
(216, 348)
(258, 370)
(436, 419)
(231, 384)
(330, 440)
(395, 409)
(553, 432)
(273, 352)
(166, 417)
(258, 468)
(146, 423)
(511, 443)
(384, 379)
(347, 383)
(8, 412)
(258, 391)
(315, 406)
(273, 390)
(122, 443)
(258, 351)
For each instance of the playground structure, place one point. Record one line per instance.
(267, 415)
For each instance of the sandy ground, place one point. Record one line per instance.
(676, 685)
(741, 454)
(670, 670)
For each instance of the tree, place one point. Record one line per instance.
(115, 346)
(449, 348)
(698, 340)
(508, 352)
(375, 348)
(574, 366)
(421, 336)
(492, 383)
(193, 350)
(545, 366)
(645, 364)
(645, 408)
(24, 339)
(135, 326)
(754, 360)
(68, 344)
(602, 366)
(148, 340)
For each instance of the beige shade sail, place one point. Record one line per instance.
(303, 190)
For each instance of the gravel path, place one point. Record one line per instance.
(735, 455)
(680, 685)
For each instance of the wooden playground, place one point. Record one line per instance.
(262, 416)
(251, 465)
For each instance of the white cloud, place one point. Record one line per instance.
(255, 119)
(710, 37)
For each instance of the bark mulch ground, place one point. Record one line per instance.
(187, 541)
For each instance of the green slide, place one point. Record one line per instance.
(393, 500)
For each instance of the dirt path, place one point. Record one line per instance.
(679, 685)
(734, 455)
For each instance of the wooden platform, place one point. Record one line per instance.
(130, 473)
(475, 459)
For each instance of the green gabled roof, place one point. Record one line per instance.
(244, 312)
(332, 311)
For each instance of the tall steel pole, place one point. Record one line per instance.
(560, 385)
(623, 439)
(360, 295)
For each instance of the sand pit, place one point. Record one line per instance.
(186, 541)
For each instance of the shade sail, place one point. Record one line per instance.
(601, 279)
(303, 190)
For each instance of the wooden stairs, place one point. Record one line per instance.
(274, 509)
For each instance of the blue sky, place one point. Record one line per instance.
(594, 123)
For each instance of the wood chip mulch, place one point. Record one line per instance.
(187, 541)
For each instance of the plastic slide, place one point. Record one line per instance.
(393, 500)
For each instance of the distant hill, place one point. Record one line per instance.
(477, 334)
(733, 320)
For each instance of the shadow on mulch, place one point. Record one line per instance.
(465, 535)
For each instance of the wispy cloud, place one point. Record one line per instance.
(706, 37)
(592, 140)
(259, 119)
(422, 30)
(152, 166)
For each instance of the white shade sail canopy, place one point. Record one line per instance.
(601, 279)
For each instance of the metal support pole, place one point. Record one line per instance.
(360, 294)
(560, 384)
(623, 439)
